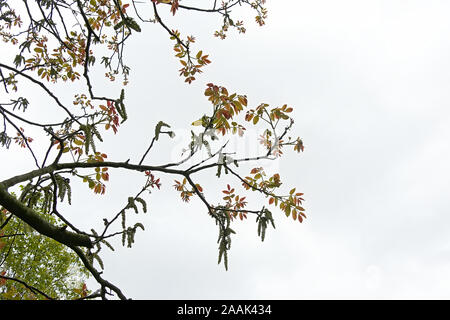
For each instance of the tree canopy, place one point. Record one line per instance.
(36, 266)
(58, 42)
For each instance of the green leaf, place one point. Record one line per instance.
(131, 23)
(119, 25)
(199, 122)
(38, 260)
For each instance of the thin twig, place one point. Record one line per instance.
(29, 287)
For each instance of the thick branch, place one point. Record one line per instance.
(34, 219)
(74, 165)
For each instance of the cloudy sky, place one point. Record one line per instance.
(368, 81)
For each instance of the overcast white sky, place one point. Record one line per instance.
(369, 83)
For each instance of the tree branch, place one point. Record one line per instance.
(96, 274)
(31, 288)
(74, 165)
(34, 219)
(43, 87)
